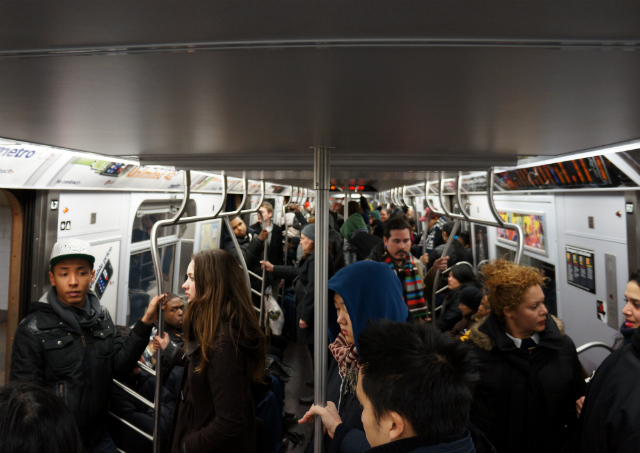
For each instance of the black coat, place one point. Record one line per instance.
(363, 243)
(610, 418)
(252, 250)
(526, 402)
(79, 369)
(275, 250)
(215, 411)
(349, 407)
(304, 274)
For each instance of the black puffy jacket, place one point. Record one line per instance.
(526, 402)
(79, 369)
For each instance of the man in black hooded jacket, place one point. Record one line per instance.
(68, 343)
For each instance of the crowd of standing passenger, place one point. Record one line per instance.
(497, 372)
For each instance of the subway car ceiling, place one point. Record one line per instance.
(394, 88)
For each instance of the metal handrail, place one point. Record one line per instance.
(135, 394)
(593, 344)
(467, 217)
(135, 428)
(178, 220)
(436, 280)
(144, 367)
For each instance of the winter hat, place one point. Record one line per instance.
(375, 214)
(309, 231)
(471, 297)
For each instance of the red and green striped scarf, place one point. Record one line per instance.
(411, 285)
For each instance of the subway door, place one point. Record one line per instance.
(593, 268)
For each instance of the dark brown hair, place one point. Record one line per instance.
(222, 298)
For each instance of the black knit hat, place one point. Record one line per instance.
(471, 297)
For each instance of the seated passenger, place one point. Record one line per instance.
(416, 389)
(34, 420)
(609, 421)
(364, 291)
(460, 276)
(469, 300)
(530, 375)
(483, 311)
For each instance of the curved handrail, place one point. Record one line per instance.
(256, 209)
(436, 280)
(490, 197)
(593, 344)
(432, 207)
(244, 197)
(466, 216)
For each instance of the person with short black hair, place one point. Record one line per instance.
(68, 343)
(416, 389)
(34, 420)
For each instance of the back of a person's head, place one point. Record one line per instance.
(423, 375)
(354, 207)
(34, 420)
(396, 223)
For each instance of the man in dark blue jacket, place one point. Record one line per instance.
(68, 343)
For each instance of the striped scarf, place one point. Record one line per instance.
(411, 285)
(347, 357)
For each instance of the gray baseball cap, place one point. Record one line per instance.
(71, 248)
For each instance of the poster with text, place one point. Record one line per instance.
(580, 268)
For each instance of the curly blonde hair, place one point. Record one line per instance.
(506, 283)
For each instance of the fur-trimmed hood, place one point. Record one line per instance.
(488, 334)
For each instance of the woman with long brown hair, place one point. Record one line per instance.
(224, 354)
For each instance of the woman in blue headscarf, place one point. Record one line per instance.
(364, 291)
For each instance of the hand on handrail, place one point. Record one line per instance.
(161, 343)
(266, 265)
(441, 263)
(264, 234)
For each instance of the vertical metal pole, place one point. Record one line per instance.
(155, 256)
(436, 281)
(321, 185)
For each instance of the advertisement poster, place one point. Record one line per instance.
(105, 282)
(19, 163)
(208, 236)
(533, 228)
(84, 172)
(580, 268)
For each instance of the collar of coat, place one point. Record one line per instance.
(488, 334)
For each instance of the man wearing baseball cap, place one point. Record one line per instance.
(68, 343)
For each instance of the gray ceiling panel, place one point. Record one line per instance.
(396, 87)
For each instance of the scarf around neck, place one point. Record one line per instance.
(411, 285)
(347, 357)
(626, 333)
(78, 319)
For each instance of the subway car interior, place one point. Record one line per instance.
(518, 120)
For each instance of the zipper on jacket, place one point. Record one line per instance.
(83, 343)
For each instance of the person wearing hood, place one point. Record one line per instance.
(365, 291)
(68, 343)
(611, 410)
(469, 301)
(530, 377)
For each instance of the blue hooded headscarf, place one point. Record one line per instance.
(370, 291)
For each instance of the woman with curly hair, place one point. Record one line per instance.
(530, 376)
(224, 353)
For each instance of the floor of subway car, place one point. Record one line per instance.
(297, 356)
